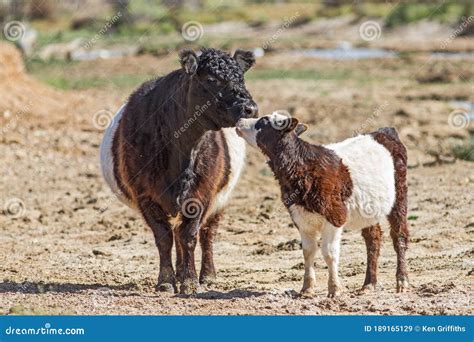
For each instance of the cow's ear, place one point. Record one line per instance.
(189, 61)
(246, 59)
(301, 128)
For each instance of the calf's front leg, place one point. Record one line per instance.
(310, 246)
(330, 247)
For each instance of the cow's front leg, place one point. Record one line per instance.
(188, 233)
(163, 233)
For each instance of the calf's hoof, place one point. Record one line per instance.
(402, 284)
(334, 290)
(308, 292)
(166, 287)
(368, 288)
(189, 287)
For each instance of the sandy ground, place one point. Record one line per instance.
(61, 253)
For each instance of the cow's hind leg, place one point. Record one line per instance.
(163, 233)
(206, 239)
(373, 239)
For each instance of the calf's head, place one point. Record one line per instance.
(266, 132)
(216, 84)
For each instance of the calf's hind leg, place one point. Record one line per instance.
(373, 238)
(163, 233)
(399, 234)
(206, 239)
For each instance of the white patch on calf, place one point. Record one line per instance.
(372, 173)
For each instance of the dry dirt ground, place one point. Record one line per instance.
(61, 253)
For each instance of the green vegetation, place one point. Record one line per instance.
(465, 151)
(448, 11)
(297, 74)
(55, 73)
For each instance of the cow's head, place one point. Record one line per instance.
(217, 86)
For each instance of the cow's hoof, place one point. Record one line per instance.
(402, 285)
(166, 287)
(334, 290)
(308, 293)
(368, 288)
(207, 280)
(189, 287)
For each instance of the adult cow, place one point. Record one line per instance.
(169, 154)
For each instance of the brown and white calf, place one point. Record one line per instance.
(169, 152)
(357, 183)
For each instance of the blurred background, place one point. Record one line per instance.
(343, 67)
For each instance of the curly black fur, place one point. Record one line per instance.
(221, 65)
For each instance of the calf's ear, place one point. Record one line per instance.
(246, 59)
(300, 128)
(189, 61)
(292, 124)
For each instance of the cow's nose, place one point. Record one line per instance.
(250, 109)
